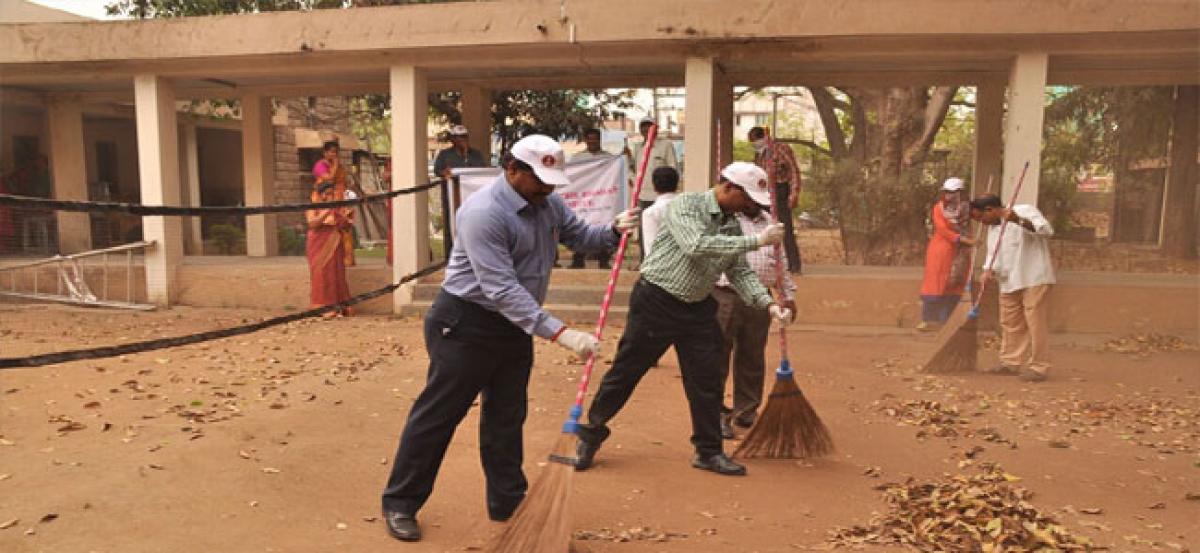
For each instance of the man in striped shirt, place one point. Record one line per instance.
(671, 305)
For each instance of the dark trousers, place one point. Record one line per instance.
(745, 329)
(578, 259)
(936, 309)
(643, 204)
(471, 350)
(783, 211)
(657, 320)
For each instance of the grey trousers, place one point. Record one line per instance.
(745, 330)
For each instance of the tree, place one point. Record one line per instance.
(878, 141)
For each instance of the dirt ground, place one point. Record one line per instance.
(281, 441)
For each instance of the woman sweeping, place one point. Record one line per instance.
(947, 257)
(325, 251)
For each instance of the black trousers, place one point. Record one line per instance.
(745, 329)
(578, 259)
(657, 320)
(471, 351)
(783, 210)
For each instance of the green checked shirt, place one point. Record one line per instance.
(697, 242)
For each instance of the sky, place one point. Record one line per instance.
(86, 8)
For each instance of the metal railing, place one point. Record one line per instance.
(71, 278)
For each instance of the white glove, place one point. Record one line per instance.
(771, 235)
(781, 314)
(582, 343)
(628, 220)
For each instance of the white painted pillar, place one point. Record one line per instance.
(476, 106)
(989, 138)
(258, 174)
(190, 173)
(410, 212)
(158, 166)
(1023, 127)
(700, 80)
(68, 168)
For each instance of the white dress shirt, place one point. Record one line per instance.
(653, 216)
(1024, 257)
(763, 260)
(580, 156)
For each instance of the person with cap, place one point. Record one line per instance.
(746, 328)
(787, 187)
(1025, 274)
(671, 304)
(459, 154)
(662, 154)
(592, 150)
(947, 257)
(479, 331)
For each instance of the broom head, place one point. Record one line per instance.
(788, 427)
(542, 522)
(956, 347)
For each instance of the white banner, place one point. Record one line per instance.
(596, 194)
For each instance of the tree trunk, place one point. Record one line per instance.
(1179, 214)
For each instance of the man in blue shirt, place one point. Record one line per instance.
(479, 330)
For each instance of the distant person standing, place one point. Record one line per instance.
(329, 169)
(787, 188)
(947, 258)
(662, 154)
(666, 185)
(591, 138)
(459, 154)
(1025, 273)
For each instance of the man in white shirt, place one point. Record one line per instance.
(662, 154)
(746, 328)
(591, 139)
(666, 184)
(1024, 273)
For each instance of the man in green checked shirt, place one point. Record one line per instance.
(671, 305)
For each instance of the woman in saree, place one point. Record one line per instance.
(325, 251)
(947, 258)
(329, 169)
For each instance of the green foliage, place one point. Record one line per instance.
(292, 241)
(742, 151)
(228, 239)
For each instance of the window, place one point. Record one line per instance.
(761, 119)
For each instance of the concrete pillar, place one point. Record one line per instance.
(723, 106)
(68, 167)
(190, 173)
(258, 174)
(1023, 127)
(989, 138)
(410, 212)
(700, 87)
(476, 106)
(158, 166)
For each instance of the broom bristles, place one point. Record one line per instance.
(956, 347)
(788, 427)
(542, 522)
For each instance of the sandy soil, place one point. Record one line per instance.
(281, 440)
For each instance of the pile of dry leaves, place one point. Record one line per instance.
(935, 419)
(984, 512)
(627, 535)
(1143, 345)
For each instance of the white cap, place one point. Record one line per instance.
(952, 184)
(647, 119)
(545, 155)
(458, 130)
(751, 178)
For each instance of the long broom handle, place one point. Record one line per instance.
(978, 237)
(586, 377)
(770, 159)
(999, 240)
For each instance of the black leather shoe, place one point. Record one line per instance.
(720, 464)
(726, 428)
(585, 454)
(744, 422)
(401, 526)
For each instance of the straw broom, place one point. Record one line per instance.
(542, 523)
(789, 427)
(956, 348)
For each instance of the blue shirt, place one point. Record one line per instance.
(505, 249)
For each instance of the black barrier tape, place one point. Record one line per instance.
(163, 210)
(161, 343)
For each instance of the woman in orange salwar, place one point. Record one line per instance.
(947, 257)
(325, 251)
